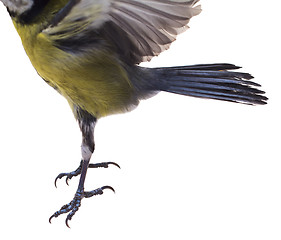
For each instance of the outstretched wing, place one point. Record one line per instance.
(137, 29)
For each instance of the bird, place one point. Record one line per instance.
(90, 52)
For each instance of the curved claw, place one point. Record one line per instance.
(50, 219)
(58, 177)
(108, 187)
(67, 175)
(115, 164)
(66, 181)
(66, 222)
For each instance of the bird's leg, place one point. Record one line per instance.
(87, 123)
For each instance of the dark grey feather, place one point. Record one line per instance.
(221, 84)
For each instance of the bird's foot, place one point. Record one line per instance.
(69, 175)
(74, 205)
(78, 170)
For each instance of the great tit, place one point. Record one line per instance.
(89, 51)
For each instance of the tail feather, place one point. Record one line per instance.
(211, 81)
(214, 66)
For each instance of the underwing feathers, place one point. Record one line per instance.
(148, 26)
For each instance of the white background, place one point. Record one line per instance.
(191, 168)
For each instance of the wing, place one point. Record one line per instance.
(137, 29)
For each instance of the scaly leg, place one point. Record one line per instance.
(77, 172)
(87, 123)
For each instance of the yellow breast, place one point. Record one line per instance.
(95, 81)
